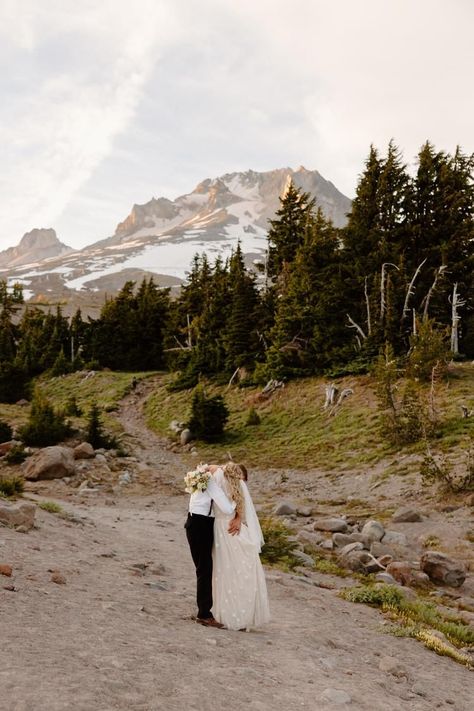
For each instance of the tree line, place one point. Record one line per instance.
(326, 300)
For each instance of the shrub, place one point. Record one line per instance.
(61, 365)
(72, 408)
(45, 426)
(278, 548)
(429, 349)
(6, 432)
(96, 436)
(253, 418)
(50, 506)
(449, 478)
(11, 485)
(16, 455)
(208, 415)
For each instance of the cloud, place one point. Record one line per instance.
(58, 130)
(120, 101)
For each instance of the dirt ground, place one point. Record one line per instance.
(119, 633)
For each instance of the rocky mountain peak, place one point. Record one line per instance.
(34, 246)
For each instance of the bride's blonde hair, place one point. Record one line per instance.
(233, 474)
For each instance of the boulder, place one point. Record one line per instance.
(304, 511)
(17, 515)
(342, 539)
(6, 570)
(303, 558)
(84, 451)
(185, 437)
(380, 549)
(334, 525)
(284, 509)
(356, 546)
(6, 446)
(361, 561)
(50, 463)
(373, 530)
(407, 514)
(442, 569)
(310, 538)
(176, 426)
(401, 571)
(385, 578)
(394, 538)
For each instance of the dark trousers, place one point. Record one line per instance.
(200, 535)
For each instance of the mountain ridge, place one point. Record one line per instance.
(161, 236)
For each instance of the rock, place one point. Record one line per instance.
(50, 463)
(407, 514)
(100, 457)
(312, 539)
(470, 500)
(5, 447)
(22, 402)
(338, 697)
(185, 437)
(58, 578)
(284, 509)
(420, 579)
(360, 561)
(6, 570)
(465, 603)
(384, 560)
(373, 530)
(304, 511)
(84, 451)
(385, 578)
(346, 550)
(394, 538)
(176, 426)
(304, 558)
(401, 571)
(342, 539)
(390, 665)
(380, 549)
(331, 524)
(16, 515)
(125, 479)
(442, 569)
(327, 544)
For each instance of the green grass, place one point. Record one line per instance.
(294, 431)
(418, 619)
(11, 485)
(51, 507)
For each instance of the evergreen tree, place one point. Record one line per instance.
(288, 228)
(241, 338)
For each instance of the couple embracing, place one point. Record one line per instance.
(225, 539)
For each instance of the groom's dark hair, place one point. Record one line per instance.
(243, 469)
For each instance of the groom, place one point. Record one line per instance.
(200, 534)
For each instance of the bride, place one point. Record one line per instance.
(238, 581)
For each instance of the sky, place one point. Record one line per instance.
(107, 103)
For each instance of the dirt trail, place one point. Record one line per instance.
(118, 634)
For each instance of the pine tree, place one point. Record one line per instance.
(240, 338)
(288, 228)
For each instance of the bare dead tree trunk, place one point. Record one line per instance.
(414, 322)
(353, 324)
(383, 278)
(367, 302)
(456, 303)
(428, 296)
(411, 290)
(344, 393)
(232, 378)
(190, 337)
(331, 393)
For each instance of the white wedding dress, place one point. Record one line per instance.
(239, 589)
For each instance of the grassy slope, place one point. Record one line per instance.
(296, 432)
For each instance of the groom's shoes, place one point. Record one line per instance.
(209, 622)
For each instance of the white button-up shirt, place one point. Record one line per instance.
(201, 501)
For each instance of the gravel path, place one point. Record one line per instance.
(118, 634)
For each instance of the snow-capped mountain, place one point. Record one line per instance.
(161, 236)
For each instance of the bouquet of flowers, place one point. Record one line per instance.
(198, 479)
